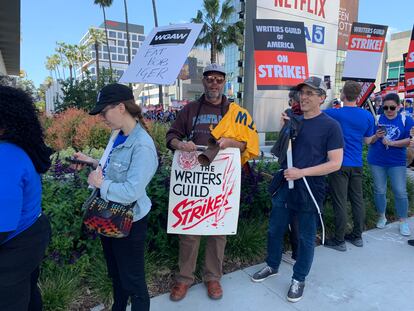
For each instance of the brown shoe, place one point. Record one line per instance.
(178, 291)
(214, 290)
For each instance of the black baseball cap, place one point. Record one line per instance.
(314, 83)
(109, 94)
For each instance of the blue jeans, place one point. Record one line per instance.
(278, 224)
(398, 178)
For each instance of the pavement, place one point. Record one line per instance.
(378, 276)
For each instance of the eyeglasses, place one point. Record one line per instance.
(392, 108)
(211, 79)
(308, 93)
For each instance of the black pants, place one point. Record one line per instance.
(347, 183)
(19, 268)
(125, 262)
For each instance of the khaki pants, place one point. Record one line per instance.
(188, 253)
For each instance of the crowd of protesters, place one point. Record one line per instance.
(164, 116)
(324, 143)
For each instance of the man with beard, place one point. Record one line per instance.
(191, 128)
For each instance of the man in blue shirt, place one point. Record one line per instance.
(316, 151)
(357, 126)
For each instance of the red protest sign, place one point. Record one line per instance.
(280, 54)
(409, 66)
(366, 90)
(365, 47)
(409, 61)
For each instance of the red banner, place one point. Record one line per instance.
(409, 61)
(366, 90)
(409, 66)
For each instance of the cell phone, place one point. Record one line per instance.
(74, 160)
(382, 128)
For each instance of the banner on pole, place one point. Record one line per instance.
(162, 55)
(365, 47)
(409, 66)
(366, 90)
(280, 54)
(204, 200)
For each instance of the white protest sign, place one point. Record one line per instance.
(366, 43)
(204, 200)
(162, 55)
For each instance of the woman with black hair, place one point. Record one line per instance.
(24, 230)
(387, 159)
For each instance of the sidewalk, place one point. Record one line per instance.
(378, 276)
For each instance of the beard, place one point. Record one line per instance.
(213, 95)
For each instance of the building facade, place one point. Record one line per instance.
(9, 38)
(118, 48)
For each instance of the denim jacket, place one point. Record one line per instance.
(130, 169)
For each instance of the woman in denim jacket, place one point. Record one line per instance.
(122, 177)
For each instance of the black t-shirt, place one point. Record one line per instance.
(317, 136)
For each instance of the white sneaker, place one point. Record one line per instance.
(382, 221)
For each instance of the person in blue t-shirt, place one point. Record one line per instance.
(24, 230)
(387, 158)
(316, 152)
(357, 127)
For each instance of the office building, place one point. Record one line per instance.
(118, 51)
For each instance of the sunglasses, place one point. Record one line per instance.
(211, 79)
(392, 108)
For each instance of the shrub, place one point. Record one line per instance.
(76, 128)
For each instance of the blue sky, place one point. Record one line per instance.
(44, 22)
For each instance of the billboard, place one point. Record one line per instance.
(348, 14)
(320, 19)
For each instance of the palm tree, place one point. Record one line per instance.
(82, 57)
(106, 4)
(127, 32)
(96, 38)
(69, 51)
(52, 64)
(217, 31)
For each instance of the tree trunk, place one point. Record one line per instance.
(97, 61)
(70, 72)
(213, 51)
(107, 41)
(127, 31)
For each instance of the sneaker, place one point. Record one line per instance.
(263, 274)
(404, 228)
(335, 244)
(357, 241)
(295, 291)
(411, 242)
(382, 221)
